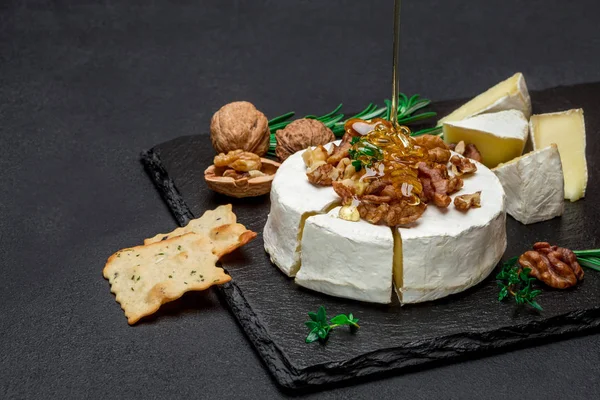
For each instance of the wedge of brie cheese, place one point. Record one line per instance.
(499, 136)
(511, 94)
(347, 259)
(567, 130)
(447, 251)
(293, 199)
(534, 185)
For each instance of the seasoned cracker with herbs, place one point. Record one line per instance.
(145, 277)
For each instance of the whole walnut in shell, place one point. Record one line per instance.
(240, 126)
(300, 135)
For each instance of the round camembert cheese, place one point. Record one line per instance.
(444, 252)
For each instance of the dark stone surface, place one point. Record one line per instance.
(271, 308)
(86, 85)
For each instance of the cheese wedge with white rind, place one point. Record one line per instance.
(534, 185)
(510, 94)
(347, 259)
(293, 199)
(448, 251)
(567, 130)
(499, 137)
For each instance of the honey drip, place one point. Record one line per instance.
(396, 157)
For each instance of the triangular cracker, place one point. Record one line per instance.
(219, 225)
(145, 277)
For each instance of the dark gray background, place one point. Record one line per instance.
(84, 88)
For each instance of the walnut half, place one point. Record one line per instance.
(466, 201)
(556, 266)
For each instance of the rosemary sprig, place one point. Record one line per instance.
(334, 120)
(319, 327)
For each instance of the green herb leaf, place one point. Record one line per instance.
(339, 320)
(503, 293)
(313, 316)
(312, 337)
(321, 317)
(312, 325)
(322, 332)
(319, 328)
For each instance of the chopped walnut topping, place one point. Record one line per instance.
(556, 266)
(466, 201)
(323, 175)
(459, 147)
(439, 155)
(391, 214)
(345, 189)
(472, 153)
(437, 185)
(341, 151)
(430, 142)
(467, 150)
(346, 168)
(462, 165)
(318, 155)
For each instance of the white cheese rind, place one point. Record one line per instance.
(515, 101)
(533, 185)
(509, 124)
(510, 94)
(292, 197)
(499, 136)
(448, 251)
(347, 259)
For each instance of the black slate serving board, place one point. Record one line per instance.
(271, 309)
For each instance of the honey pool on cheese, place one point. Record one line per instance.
(567, 130)
(444, 252)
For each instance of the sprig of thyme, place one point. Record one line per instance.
(319, 328)
(515, 281)
(408, 108)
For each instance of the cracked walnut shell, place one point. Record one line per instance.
(239, 125)
(301, 134)
(255, 182)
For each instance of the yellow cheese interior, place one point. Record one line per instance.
(398, 263)
(494, 150)
(505, 88)
(567, 130)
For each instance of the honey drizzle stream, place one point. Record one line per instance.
(395, 65)
(399, 155)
